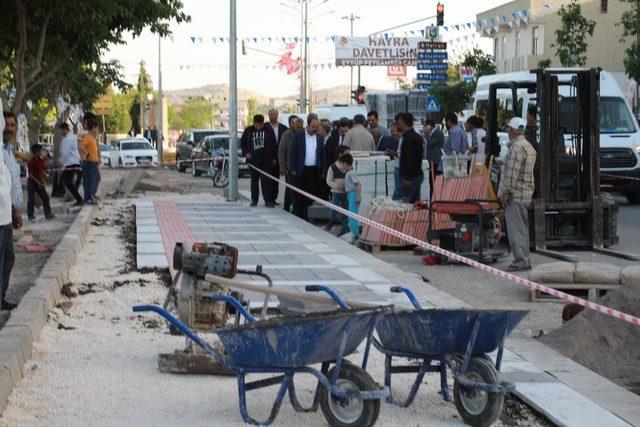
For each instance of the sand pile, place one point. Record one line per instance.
(606, 345)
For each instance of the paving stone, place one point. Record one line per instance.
(338, 260)
(363, 274)
(148, 229)
(151, 261)
(319, 248)
(149, 237)
(150, 248)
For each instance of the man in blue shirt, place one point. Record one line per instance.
(390, 143)
(457, 141)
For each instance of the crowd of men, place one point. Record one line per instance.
(77, 161)
(316, 159)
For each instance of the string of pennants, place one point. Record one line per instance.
(182, 67)
(486, 26)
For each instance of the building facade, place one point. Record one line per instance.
(520, 44)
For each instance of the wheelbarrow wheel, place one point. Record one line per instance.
(355, 412)
(477, 407)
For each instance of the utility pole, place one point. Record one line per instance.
(352, 18)
(233, 104)
(160, 106)
(305, 68)
(141, 99)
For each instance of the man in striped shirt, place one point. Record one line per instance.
(515, 192)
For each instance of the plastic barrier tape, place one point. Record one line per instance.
(511, 277)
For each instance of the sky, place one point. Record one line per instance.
(209, 61)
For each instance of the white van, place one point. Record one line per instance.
(335, 112)
(619, 131)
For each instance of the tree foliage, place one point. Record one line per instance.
(453, 98)
(482, 63)
(544, 63)
(571, 38)
(630, 22)
(196, 113)
(252, 109)
(51, 48)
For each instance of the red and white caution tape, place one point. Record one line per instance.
(630, 178)
(511, 277)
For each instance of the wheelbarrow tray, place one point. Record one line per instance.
(297, 341)
(434, 332)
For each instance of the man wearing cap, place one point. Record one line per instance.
(515, 192)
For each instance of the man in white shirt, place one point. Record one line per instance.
(306, 164)
(69, 159)
(10, 219)
(9, 136)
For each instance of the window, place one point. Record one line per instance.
(517, 50)
(504, 47)
(495, 49)
(604, 6)
(535, 40)
(614, 115)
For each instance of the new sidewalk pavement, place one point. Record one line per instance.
(295, 253)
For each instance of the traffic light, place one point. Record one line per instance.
(440, 14)
(359, 95)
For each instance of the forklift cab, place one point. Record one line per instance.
(568, 209)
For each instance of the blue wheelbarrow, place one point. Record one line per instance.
(346, 394)
(458, 340)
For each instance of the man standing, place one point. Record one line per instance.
(278, 130)
(390, 143)
(531, 132)
(69, 159)
(515, 192)
(335, 141)
(90, 161)
(9, 136)
(295, 125)
(10, 220)
(410, 160)
(435, 142)
(324, 131)
(259, 147)
(457, 141)
(306, 164)
(359, 138)
(378, 132)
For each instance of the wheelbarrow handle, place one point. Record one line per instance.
(175, 322)
(410, 295)
(333, 294)
(236, 304)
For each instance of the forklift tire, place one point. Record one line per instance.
(633, 198)
(355, 413)
(479, 408)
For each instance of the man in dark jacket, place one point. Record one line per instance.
(259, 147)
(435, 141)
(335, 141)
(411, 154)
(278, 130)
(306, 164)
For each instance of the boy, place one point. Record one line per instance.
(353, 187)
(35, 184)
(90, 161)
(335, 181)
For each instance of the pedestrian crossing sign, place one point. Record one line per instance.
(432, 105)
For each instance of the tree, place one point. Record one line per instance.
(453, 98)
(571, 38)
(120, 121)
(482, 63)
(630, 22)
(44, 55)
(544, 63)
(196, 113)
(145, 87)
(252, 108)
(404, 85)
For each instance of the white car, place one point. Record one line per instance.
(136, 152)
(107, 155)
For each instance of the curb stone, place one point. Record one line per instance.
(27, 321)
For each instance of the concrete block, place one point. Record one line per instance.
(44, 291)
(6, 386)
(32, 313)
(15, 349)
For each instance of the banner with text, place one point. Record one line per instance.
(376, 50)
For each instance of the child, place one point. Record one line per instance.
(353, 187)
(335, 181)
(35, 183)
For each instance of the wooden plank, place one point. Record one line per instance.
(593, 290)
(184, 363)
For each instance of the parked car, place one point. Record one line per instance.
(211, 147)
(136, 151)
(188, 141)
(106, 155)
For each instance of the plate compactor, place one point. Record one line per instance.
(191, 297)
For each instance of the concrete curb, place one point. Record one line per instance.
(27, 321)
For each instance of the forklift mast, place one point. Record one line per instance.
(567, 208)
